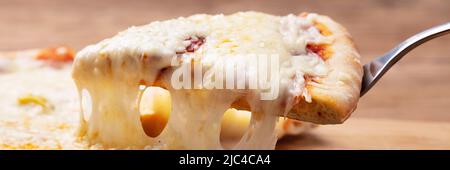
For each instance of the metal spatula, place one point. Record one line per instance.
(375, 69)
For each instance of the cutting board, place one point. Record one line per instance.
(364, 133)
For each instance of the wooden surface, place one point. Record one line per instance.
(373, 133)
(413, 96)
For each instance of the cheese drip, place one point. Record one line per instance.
(112, 71)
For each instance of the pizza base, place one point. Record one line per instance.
(335, 96)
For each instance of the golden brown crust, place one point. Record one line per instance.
(335, 96)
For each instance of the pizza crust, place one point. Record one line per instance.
(335, 96)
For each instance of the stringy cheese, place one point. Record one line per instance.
(113, 70)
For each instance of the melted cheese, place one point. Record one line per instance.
(29, 125)
(113, 70)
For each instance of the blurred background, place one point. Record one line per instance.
(417, 88)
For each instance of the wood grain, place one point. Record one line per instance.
(375, 133)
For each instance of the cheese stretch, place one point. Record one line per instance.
(115, 72)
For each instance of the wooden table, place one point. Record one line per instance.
(373, 133)
(408, 108)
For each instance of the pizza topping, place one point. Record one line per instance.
(323, 29)
(194, 44)
(300, 35)
(322, 50)
(298, 32)
(56, 54)
(37, 100)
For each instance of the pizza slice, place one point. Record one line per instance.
(302, 67)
